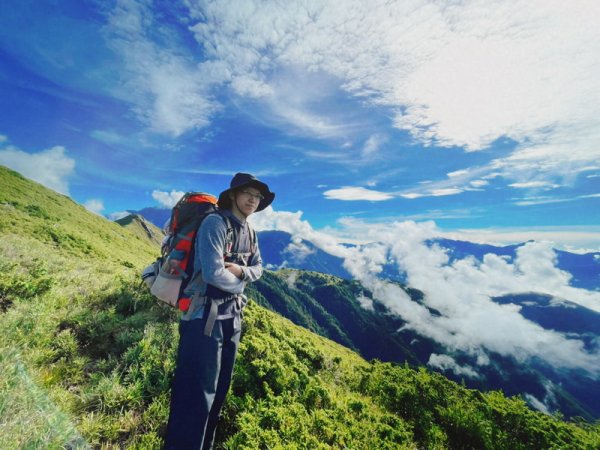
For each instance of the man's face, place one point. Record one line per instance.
(247, 200)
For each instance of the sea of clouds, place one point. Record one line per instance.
(461, 291)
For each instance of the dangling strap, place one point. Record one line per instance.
(229, 237)
(253, 240)
(213, 312)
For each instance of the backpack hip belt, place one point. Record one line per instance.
(214, 304)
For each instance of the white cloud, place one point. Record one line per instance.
(444, 192)
(440, 192)
(460, 74)
(291, 279)
(461, 291)
(311, 111)
(549, 401)
(298, 250)
(543, 200)
(292, 223)
(51, 168)
(366, 303)
(582, 239)
(445, 363)
(433, 214)
(537, 404)
(533, 184)
(305, 121)
(412, 195)
(457, 182)
(373, 145)
(118, 215)
(94, 205)
(575, 239)
(167, 89)
(479, 183)
(349, 193)
(167, 199)
(250, 87)
(458, 173)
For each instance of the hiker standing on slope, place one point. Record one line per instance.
(210, 330)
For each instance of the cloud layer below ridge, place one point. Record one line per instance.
(460, 291)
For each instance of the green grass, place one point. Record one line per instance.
(28, 417)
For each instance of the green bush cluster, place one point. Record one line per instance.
(445, 413)
(24, 282)
(289, 392)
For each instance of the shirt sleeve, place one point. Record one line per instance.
(210, 247)
(253, 271)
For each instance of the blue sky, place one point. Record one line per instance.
(481, 116)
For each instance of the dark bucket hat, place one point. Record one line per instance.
(241, 180)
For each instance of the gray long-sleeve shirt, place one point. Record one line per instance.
(211, 278)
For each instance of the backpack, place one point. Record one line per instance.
(170, 274)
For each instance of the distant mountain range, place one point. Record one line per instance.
(585, 268)
(142, 227)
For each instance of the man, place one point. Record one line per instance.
(210, 330)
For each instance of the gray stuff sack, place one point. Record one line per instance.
(163, 284)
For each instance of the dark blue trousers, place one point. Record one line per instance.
(202, 379)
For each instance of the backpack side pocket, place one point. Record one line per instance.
(166, 286)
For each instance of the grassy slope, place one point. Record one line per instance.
(86, 358)
(58, 261)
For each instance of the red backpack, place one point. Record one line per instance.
(169, 275)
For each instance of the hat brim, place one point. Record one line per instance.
(225, 201)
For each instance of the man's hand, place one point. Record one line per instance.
(235, 269)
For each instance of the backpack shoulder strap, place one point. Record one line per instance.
(253, 238)
(230, 233)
